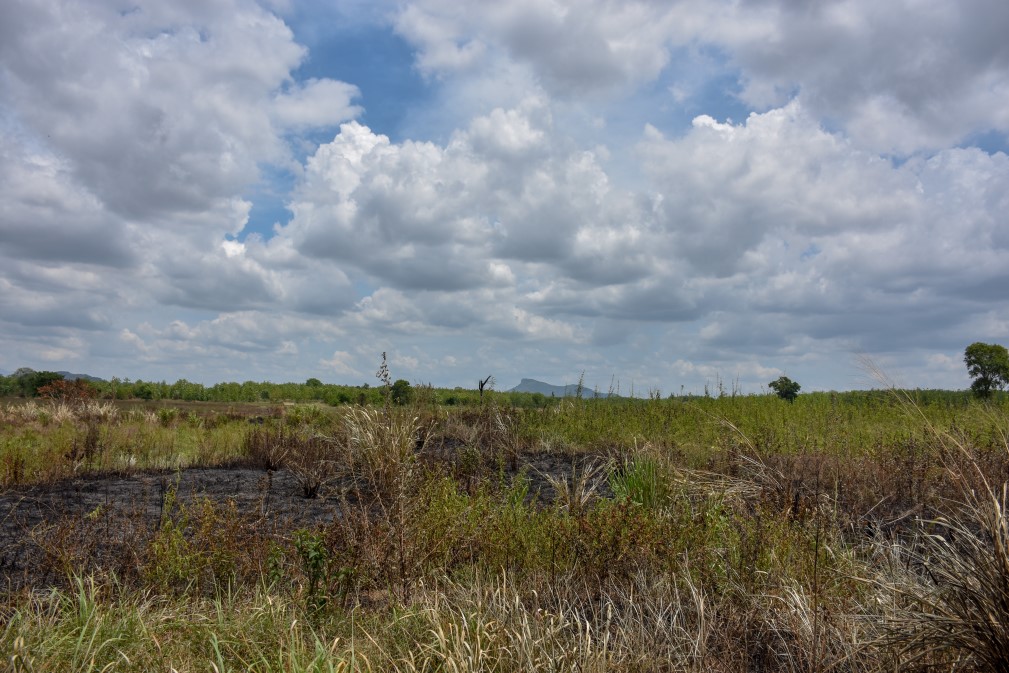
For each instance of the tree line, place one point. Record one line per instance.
(987, 365)
(29, 383)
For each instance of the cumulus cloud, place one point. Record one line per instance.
(441, 37)
(898, 76)
(49, 218)
(253, 342)
(825, 239)
(340, 363)
(127, 139)
(456, 217)
(160, 109)
(575, 46)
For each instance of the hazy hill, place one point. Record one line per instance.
(70, 376)
(570, 390)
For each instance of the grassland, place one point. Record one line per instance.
(844, 532)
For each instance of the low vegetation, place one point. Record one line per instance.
(454, 531)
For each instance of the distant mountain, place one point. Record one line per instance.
(570, 390)
(70, 376)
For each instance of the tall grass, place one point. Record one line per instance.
(45, 442)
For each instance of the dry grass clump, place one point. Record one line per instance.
(944, 593)
(493, 432)
(373, 447)
(141, 415)
(376, 447)
(97, 411)
(491, 628)
(575, 493)
(59, 412)
(43, 414)
(267, 447)
(381, 448)
(310, 458)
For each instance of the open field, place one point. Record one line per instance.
(856, 531)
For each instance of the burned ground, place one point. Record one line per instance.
(102, 522)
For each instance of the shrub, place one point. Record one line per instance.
(401, 392)
(62, 390)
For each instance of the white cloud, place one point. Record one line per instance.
(316, 103)
(440, 37)
(162, 109)
(899, 76)
(573, 45)
(340, 363)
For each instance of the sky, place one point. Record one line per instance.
(654, 195)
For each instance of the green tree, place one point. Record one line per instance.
(401, 392)
(143, 390)
(988, 365)
(785, 388)
(313, 382)
(29, 381)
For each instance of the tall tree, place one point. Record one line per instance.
(988, 365)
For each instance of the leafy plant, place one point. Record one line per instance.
(311, 548)
(641, 481)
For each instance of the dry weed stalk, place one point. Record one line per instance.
(266, 449)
